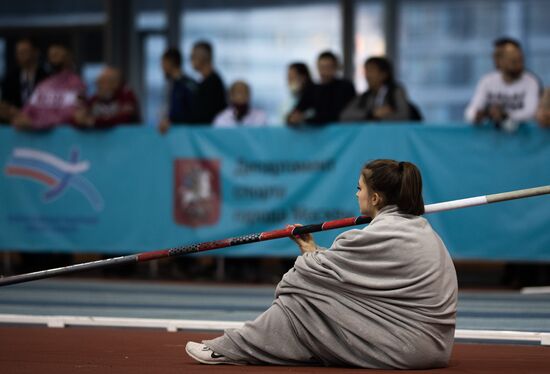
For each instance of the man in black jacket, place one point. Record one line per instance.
(19, 83)
(210, 96)
(331, 95)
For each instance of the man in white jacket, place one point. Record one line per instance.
(510, 93)
(239, 112)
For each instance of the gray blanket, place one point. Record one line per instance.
(380, 297)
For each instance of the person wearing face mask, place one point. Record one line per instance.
(302, 90)
(239, 112)
(56, 99)
(510, 94)
(114, 103)
(385, 99)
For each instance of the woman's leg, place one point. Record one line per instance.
(269, 339)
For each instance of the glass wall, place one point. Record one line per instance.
(369, 37)
(257, 42)
(89, 73)
(151, 24)
(537, 26)
(154, 46)
(444, 47)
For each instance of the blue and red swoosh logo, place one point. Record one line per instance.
(55, 173)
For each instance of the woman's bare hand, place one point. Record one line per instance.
(305, 241)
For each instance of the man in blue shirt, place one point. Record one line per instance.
(180, 94)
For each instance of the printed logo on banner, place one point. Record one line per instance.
(57, 174)
(197, 194)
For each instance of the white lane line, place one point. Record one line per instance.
(174, 325)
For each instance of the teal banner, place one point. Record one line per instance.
(128, 190)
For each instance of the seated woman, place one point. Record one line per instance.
(380, 297)
(385, 99)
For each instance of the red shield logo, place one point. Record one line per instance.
(196, 192)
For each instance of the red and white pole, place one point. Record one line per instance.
(268, 235)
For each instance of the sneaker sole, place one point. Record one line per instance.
(213, 362)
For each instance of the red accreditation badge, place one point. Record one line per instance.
(197, 193)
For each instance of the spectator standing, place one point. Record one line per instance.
(209, 99)
(18, 84)
(385, 99)
(56, 99)
(302, 90)
(239, 112)
(113, 104)
(509, 95)
(331, 95)
(180, 92)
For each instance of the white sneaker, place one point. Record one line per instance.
(205, 355)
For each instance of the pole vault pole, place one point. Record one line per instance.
(268, 235)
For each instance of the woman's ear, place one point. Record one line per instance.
(376, 199)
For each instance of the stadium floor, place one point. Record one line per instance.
(29, 349)
(81, 350)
